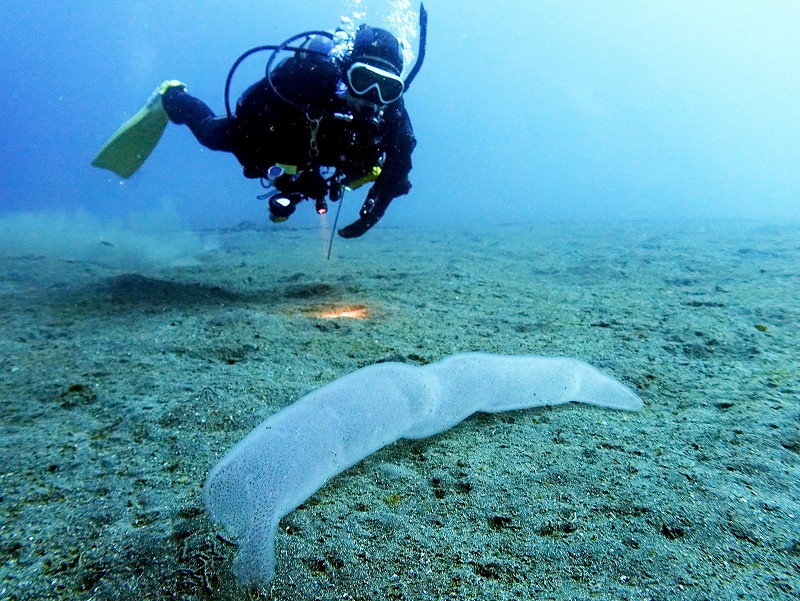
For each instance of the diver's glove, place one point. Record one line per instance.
(371, 212)
(358, 228)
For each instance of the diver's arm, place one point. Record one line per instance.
(393, 180)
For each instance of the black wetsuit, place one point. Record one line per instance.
(327, 129)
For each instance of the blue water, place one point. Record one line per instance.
(523, 111)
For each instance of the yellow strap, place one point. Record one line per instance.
(369, 176)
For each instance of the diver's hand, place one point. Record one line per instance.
(371, 211)
(358, 228)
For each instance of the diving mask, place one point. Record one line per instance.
(363, 78)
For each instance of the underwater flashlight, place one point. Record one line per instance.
(281, 206)
(322, 206)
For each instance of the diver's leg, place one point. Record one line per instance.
(211, 131)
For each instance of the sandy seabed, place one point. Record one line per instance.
(121, 388)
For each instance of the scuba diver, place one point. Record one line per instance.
(329, 117)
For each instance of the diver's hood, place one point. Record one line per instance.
(308, 46)
(382, 46)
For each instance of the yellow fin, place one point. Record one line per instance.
(133, 142)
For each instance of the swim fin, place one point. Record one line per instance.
(133, 142)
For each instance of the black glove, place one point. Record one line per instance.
(370, 213)
(358, 228)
